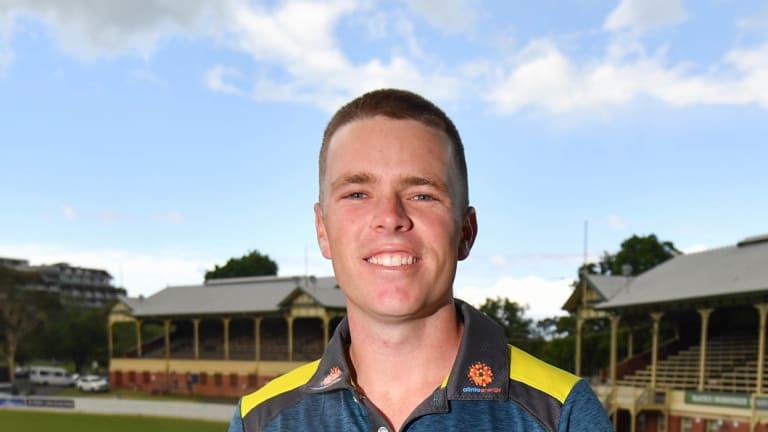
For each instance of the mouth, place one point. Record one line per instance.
(392, 260)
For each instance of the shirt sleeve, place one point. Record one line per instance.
(583, 412)
(236, 424)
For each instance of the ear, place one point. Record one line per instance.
(468, 233)
(322, 235)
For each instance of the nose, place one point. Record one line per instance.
(391, 215)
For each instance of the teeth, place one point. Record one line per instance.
(392, 260)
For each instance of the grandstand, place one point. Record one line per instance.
(708, 373)
(226, 337)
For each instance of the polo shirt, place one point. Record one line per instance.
(492, 386)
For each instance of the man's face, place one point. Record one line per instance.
(388, 220)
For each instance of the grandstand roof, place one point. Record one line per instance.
(723, 272)
(236, 295)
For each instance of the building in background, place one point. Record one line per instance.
(708, 372)
(75, 285)
(226, 337)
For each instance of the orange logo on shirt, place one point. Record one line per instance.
(332, 378)
(480, 374)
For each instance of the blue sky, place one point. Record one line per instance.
(155, 139)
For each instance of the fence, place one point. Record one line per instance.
(189, 410)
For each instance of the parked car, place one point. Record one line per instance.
(50, 375)
(92, 383)
(21, 372)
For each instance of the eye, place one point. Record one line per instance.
(356, 195)
(422, 197)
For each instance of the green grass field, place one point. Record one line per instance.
(43, 421)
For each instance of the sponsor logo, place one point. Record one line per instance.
(333, 376)
(480, 374)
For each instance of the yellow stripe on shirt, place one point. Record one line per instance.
(282, 384)
(544, 377)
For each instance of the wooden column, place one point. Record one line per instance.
(226, 337)
(705, 313)
(762, 309)
(290, 338)
(167, 330)
(579, 329)
(109, 336)
(630, 343)
(614, 346)
(656, 317)
(257, 337)
(196, 342)
(138, 338)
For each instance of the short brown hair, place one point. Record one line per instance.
(400, 105)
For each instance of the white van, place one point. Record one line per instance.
(49, 375)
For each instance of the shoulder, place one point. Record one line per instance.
(278, 388)
(537, 374)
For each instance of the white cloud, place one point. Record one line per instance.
(544, 298)
(640, 15)
(299, 37)
(544, 78)
(449, 15)
(298, 58)
(89, 29)
(217, 76)
(70, 213)
(295, 39)
(616, 222)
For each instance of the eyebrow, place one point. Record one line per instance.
(353, 178)
(424, 181)
(361, 178)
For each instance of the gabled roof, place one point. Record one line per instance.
(236, 296)
(727, 271)
(608, 286)
(604, 286)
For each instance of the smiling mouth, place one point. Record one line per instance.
(392, 260)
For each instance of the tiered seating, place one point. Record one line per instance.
(242, 348)
(274, 341)
(308, 343)
(730, 367)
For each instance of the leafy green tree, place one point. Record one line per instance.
(251, 264)
(70, 333)
(19, 311)
(511, 316)
(638, 254)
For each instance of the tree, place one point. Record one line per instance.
(638, 254)
(251, 264)
(19, 313)
(511, 316)
(73, 333)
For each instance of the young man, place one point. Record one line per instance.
(393, 216)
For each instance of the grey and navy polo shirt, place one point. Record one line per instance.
(492, 386)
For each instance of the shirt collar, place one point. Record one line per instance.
(480, 372)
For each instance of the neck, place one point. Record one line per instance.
(398, 365)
